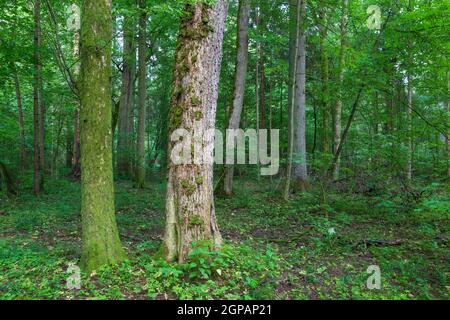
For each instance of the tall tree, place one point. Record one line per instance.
(23, 152)
(101, 243)
(340, 88)
(190, 210)
(36, 93)
(295, 7)
(128, 73)
(239, 82)
(140, 172)
(324, 65)
(300, 171)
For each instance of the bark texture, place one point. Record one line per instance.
(190, 211)
(101, 243)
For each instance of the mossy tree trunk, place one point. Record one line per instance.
(140, 172)
(101, 243)
(190, 211)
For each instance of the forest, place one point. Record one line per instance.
(224, 149)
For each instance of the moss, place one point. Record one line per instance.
(198, 115)
(196, 101)
(196, 221)
(188, 187)
(199, 180)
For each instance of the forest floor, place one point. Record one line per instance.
(315, 246)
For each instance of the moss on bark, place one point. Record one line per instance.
(101, 243)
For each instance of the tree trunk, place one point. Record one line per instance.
(23, 152)
(338, 107)
(409, 132)
(140, 173)
(239, 82)
(324, 97)
(190, 211)
(300, 171)
(129, 65)
(296, 14)
(36, 91)
(101, 243)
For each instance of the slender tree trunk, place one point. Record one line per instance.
(101, 243)
(324, 101)
(36, 91)
(41, 133)
(295, 7)
(23, 151)
(409, 134)
(447, 138)
(140, 174)
(129, 65)
(300, 171)
(338, 108)
(190, 210)
(239, 82)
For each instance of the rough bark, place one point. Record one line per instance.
(338, 107)
(239, 82)
(140, 170)
(101, 243)
(190, 211)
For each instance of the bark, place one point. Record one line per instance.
(36, 91)
(140, 172)
(239, 82)
(296, 13)
(324, 98)
(338, 107)
(129, 66)
(101, 243)
(23, 152)
(409, 131)
(300, 171)
(447, 138)
(190, 211)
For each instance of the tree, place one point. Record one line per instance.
(296, 15)
(101, 243)
(23, 152)
(324, 64)
(126, 97)
(338, 106)
(239, 82)
(190, 211)
(140, 172)
(300, 170)
(36, 93)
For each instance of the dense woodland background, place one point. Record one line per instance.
(363, 115)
